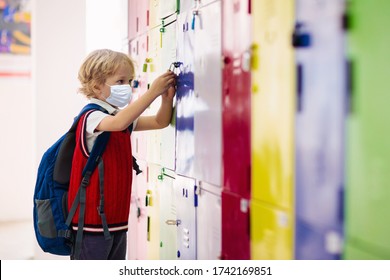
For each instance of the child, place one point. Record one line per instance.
(105, 78)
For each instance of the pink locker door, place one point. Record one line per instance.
(133, 20)
(236, 96)
(235, 227)
(137, 234)
(143, 15)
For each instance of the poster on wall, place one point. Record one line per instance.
(15, 38)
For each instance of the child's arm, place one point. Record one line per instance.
(125, 117)
(163, 116)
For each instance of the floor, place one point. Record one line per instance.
(17, 242)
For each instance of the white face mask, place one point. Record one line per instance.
(120, 95)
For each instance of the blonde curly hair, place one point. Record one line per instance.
(98, 66)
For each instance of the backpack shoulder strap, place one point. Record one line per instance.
(135, 164)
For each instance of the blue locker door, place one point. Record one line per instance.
(186, 201)
(208, 94)
(185, 97)
(320, 108)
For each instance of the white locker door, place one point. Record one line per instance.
(186, 218)
(208, 93)
(209, 222)
(185, 98)
(168, 217)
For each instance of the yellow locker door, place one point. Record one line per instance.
(273, 88)
(152, 202)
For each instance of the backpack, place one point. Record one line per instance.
(50, 214)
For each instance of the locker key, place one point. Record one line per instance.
(172, 222)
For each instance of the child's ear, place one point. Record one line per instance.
(97, 89)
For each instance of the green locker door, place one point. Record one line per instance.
(368, 136)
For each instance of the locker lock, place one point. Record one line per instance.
(300, 38)
(148, 61)
(175, 67)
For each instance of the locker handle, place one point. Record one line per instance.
(173, 222)
(350, 68)
(299, 87)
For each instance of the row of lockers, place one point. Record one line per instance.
(277, 148)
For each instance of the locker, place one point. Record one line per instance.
(143, 16)
(272, 130)
(152, 203)
(272, 102)
(152, 68)
(209, 222)
(154, 13)
(168, 48)
(137, 235)
(271, 231)
(133, 19)
(208, 94)
(236, 96)
(364, 252)
(368, 152)
(185, 98)
(138, 17)
(317, 243)
(138, 52)
(235, 227)
(186, 200)
(170, 7)
(168, 217)
(186, 5)
(319, 137)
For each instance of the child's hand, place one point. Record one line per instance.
(163, 83)
(170, 93)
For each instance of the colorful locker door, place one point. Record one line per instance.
(208, 94)
(154, 13)
(168, 8)
(368, 150)
(319, 137)
(272, 130)
(133, 19)
(186, 203)
(143, 15)
(235, 227)
(168, 218)
(168, 48)
(137, 235)
(185, 97)
(236, 112)
(152, 202)
(209, 222)
(152, 67)
(186, 5)
(138, 52)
